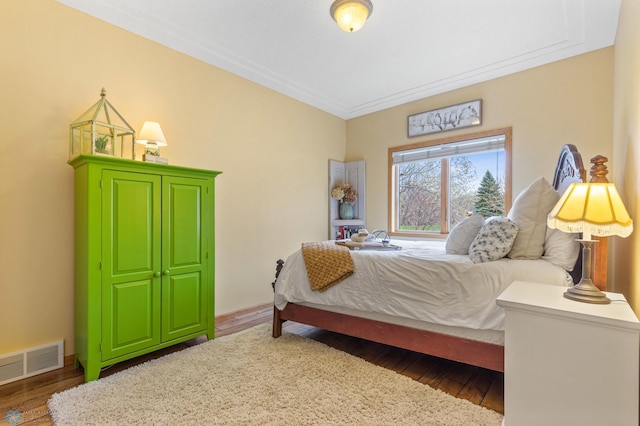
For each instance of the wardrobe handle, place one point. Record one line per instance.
(156, 274)
(166, 272)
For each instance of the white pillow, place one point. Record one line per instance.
(462, 235)
(494, 240)
(530, 212)
(561, 248)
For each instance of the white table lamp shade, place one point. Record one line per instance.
(151, 133)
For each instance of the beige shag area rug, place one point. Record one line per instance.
(249, 378)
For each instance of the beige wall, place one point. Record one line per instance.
(569, 101)
(273, 152)
(626, 148)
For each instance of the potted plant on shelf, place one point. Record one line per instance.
(347, 196)
(101, 143)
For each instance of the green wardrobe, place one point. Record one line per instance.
(144, 258)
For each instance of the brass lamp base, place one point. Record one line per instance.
(586, 292)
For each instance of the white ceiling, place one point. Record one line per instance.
(408, 50)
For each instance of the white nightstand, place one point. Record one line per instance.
(567, 362)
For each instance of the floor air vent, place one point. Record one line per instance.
(32, 361)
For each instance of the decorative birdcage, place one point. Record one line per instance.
(102, 131)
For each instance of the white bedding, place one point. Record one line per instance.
(420, 282)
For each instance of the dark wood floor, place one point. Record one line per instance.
(480, 386)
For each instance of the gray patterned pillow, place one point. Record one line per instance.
(494, 240)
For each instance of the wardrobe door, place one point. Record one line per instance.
(131, 262)
(184, 254)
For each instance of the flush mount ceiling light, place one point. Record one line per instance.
(351, 15)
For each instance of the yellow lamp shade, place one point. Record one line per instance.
(351, 15)
(593, 209)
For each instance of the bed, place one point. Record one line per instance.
(435, 300)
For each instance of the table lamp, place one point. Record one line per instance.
(152, 137)
(593, 209)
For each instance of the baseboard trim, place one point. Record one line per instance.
(69, 359)
(244, 311)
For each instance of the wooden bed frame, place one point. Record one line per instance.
(486, 355)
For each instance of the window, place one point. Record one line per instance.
(433, 185)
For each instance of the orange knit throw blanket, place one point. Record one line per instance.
(327, 264)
